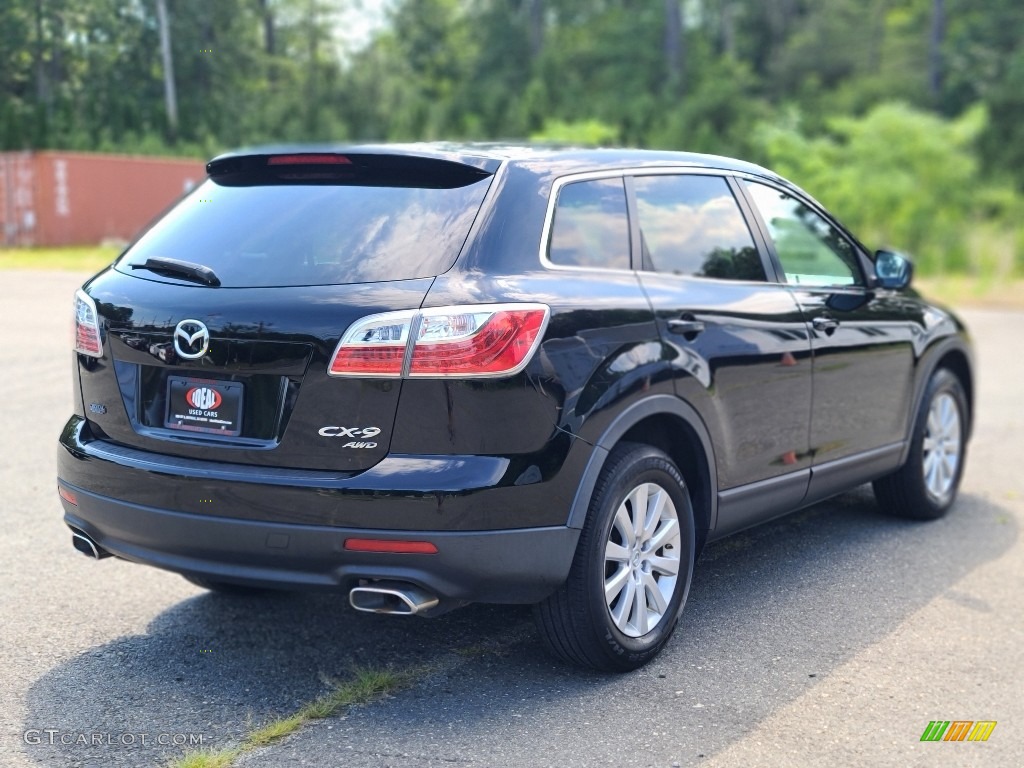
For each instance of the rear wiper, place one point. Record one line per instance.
(184, 269)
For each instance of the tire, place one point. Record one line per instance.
(925, 487)
(624, 632)
(224, 587)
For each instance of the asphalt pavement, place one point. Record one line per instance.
(831, 637)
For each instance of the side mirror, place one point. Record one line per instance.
(892, 270)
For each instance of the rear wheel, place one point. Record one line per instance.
(925, 487)
(632, 569)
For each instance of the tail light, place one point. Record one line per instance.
(373, 346)
(467, 341)
(87, 326)
(494, 342)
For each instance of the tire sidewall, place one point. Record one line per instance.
(644, 466)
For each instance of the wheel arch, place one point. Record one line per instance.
(674, 427)
(957, 361)
(954, 355)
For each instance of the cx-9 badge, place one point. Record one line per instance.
(351, 432)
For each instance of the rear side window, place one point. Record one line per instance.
(692, 225)
(811, 251)
(591, 227)
(315, 234)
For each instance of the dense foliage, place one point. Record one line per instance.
(905, 116)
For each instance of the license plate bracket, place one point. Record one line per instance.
(211, 406)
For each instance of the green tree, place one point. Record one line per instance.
(898, 177)
(984, 61)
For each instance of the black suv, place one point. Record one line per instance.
(433, 374)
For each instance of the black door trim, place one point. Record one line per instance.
(840, 475)
(755, 503)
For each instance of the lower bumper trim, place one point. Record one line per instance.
(501, 566)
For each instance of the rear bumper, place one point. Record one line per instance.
(136, 513)
(515, 566)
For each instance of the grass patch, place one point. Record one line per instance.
(274, 730)
(971, 291)
(86, 258)
(366, 685)
(208, 758)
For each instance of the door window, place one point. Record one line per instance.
(591, 227)
(692, 225)
(810, 249)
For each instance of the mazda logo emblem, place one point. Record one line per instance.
(191, 339)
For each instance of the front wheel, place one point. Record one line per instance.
(632, 569)
(925, 487)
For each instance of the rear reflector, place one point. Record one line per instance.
(394, 547)
(67, 495)
(308, 160)
(87, 326)
(461, 341)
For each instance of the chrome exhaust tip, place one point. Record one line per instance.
(392, 597)
(84, 544)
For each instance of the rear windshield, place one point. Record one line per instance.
(317, 234)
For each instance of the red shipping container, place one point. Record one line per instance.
(78, 198)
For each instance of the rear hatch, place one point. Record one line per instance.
(219, 324)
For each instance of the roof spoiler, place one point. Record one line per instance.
(346, 168)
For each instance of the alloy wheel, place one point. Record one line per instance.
(942, 442)
(642, 560)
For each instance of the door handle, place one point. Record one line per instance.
(687, 325)
(825, 323)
